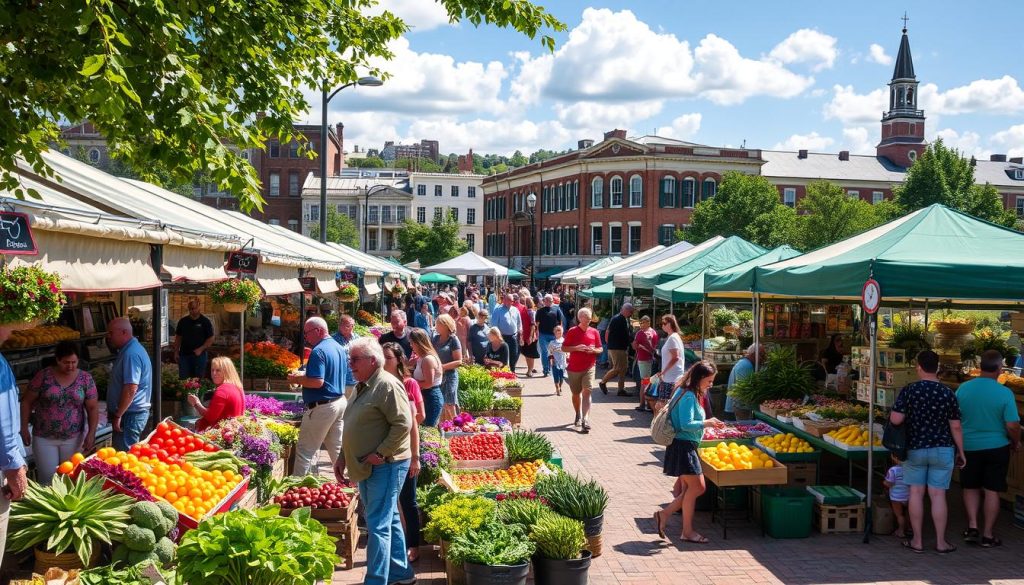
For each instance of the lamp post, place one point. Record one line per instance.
(531, 202)
(368, 81)
(366, 212)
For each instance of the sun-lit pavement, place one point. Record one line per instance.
(619, 453)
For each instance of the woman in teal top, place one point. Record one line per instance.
(681, 459)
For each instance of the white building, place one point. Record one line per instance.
(459, 195)
(377, 205)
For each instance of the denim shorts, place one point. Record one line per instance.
(931, 467)
(450, 388)
(557, 374)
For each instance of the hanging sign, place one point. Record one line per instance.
(243, 262)
(349, 276)
(16, 234)
(871, 296)
(308, 283)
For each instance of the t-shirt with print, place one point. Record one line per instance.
(580, 361)
(557, 355)
(646, 343)
(928, 406)
(898, 491)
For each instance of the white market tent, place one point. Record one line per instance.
(569, 276)
(624, 278)
(468, 264)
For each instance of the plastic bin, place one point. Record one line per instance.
(787, 512)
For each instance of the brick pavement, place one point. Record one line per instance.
(620, 455)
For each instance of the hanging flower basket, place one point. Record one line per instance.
(235, 294)
(348, 293)
(398, 290)
(29, 296)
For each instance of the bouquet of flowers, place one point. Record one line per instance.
(273, 352)
(195, 386)
(348, 290)
(465, 423)
(29, 294)
(235, 290)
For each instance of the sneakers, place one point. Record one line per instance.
(578, 419)
(604, 387)
(622, 393)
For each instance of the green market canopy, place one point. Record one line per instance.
(570, 276)
(514, 274)
(714, 254)
(437, 278)
(690, 289)
(633, 263)
(550, 272)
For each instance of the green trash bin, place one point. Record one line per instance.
(786, 512)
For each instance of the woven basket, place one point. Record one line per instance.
(348, 298)
(954, 328)
(66, 561)
(594, 544)
(22, 325)
(235, 307)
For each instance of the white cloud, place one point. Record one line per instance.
(594, 114)
(859, 140)
(967, 143)
(726, 78)
(492, 136)
(420, 15)
(877, 54)
(813, 142)
(850, 107)
(807, 46)
(1010, 141)
(684, 127)
(990, 96)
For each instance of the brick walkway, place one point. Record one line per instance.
(620, 455)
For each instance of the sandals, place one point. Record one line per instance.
(906, 544)
(659, 526)
(971, 535)
(991, 542)
(699, 539)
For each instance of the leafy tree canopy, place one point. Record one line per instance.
(830, 215)
(747, 206)
(174, 83)
(369, 162)
(340, 229)
(430, 244)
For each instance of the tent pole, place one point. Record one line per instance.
(873, 329)
(703, 325)
(926, 316)
(757, 330)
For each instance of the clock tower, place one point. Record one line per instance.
(903, 125)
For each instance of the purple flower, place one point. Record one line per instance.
(245, 470)
(257, 451)
(430, 445)
(429, 459)
(267, 406)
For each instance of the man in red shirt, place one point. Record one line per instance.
(583, 344)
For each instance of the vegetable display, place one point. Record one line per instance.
(730, 457)
(527, 446)
(571, 496)
(739, 431)
(558, 537)
(458, 515)
(782, 377)
(493, 544)
(146, 539)
(519, 476)
(329, 495)
(479, 447)
(466, 423)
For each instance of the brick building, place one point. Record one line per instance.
(428, 149)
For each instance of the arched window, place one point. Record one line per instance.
(576, 194)
(710, 188)
(616, 192)
(688, 197)
(636, 191)
(94, 155)
(667, 196)
(597, 193)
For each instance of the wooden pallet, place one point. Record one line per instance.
(347, 534)
(839, 519)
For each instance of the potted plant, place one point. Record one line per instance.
(507, 407)
(348, 292)
(30, 296)
(69, 514)
(584, 501)
(235, 294)
(561, 558)
(452, 518)
(494, 553)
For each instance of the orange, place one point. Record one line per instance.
(65, 468)
(114, 461)
(195, 493)
(77, 458)
(170, 496)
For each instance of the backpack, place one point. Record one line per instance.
(662, 431)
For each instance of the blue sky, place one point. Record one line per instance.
(774, 74)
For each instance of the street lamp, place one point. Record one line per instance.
(368, 81)
(366, 212)
(531, 202)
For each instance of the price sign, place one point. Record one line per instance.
(16, 234)
(244, 262)
(349, 276)
(308, 283)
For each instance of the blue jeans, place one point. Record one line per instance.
(543, 339)
(191, 365)
(132, 424)
(386, 558)
(513, 351)
(433, 402)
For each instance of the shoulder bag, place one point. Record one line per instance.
(662, 431)
(894, 438)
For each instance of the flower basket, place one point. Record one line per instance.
(234, 292)
(30, 296)
(235, 307)
(348, 293)
(954, 327)
(67, 561)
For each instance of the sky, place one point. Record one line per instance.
(771, 75)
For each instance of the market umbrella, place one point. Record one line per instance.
(437, 278)
(514, 274)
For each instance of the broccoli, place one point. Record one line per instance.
(167, 510)
(164, 550)
(148, 515)
(139, 539)
(137, 557)
(120, 555)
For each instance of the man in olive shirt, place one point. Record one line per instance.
(376, 452)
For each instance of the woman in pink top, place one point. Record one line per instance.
(228, 399)
(409, 511)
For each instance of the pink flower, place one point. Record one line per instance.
(54, 289)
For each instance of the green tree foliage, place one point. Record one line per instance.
(943, 175)
(747, 206)
(420, 164)
(369, 162)
(518, 159)
(430, 244)
(340, 229)
(829, 215)
(171, 84)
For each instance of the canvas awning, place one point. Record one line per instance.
(713, 254)
(371, 288)
(605, 273)
(468, 264)
(550, 272)
(192, 265)
(435, 278)
(569, 276)
(278, 280)
(601, 291)
(325, 281)
(690, 289)
(88, 264)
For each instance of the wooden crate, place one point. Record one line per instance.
(819, 428)
(1015, 474)
(347, 534)
(802, 474)
(839, 519)
(776, 475)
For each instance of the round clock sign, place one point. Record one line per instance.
(871, 296)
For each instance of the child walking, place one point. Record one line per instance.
(558, 359)
(899, 495)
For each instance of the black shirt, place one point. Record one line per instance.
(404, 342)
(547, 318)
(478, 342)
(618, 332)
(569, 310)
(500, 354)
(193, 332)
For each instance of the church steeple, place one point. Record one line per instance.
(903, 125)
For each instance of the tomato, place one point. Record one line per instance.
(209, 448)
(163, 427)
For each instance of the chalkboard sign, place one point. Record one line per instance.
(349, 276)
(243, 262)
(308, 283)
(16, 234)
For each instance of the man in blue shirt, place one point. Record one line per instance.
(742, 369)
(509, 321)
(323, 391)
(12, 459)
(548, 317)
(347, 334)
(130, 388)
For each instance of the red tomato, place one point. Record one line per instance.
(163, 427)
(162, 455)
(209, 448)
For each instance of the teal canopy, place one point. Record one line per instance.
(603, 291)
(631, 264)
(690, 289)
(550, 272)
(933, 253)
(514, 274)
(437, 278)
(722, 254)
(570, 276)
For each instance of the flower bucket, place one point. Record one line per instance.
(496, 574)
(235, 307)
(67, 560)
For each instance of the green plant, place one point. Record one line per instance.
(908, 334)
(508, 403)
(257, 547)
(30, 293)
(558, 537)
(722, 318)
(527, 446)
(69, 513)
(261, 367)
(476, 399)
(780, 378)
(134, 575)
(458, 515)
(474, 378)
(987, 338)
(493, 544)
(431, 496)
(524, 511)
(286, 434)
(570, 496)
(235, 290)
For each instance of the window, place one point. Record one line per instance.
(275, 149)
(789, 196)
(275, 184)
(94, 155)
(471, 241)
(595, 240)
(597, 193)
(389, 240)
(636, 191)
(667, 196)
(437, 190)
(293, 224)
(615, 239)
(274, 221)
(421, 214)
(455, 190)
(385, 214)
(421, 190)
(710, 188)
(471, 192)
(374, 214)
(400, 214)
(314, 212)
(293, 183)
(877, 196)
(293, 149)
(666, 234)
(453, 212)
(616, 192)
(1019, 204)
(689, 193)
(471, 216)
(634, 239)
(371, 241)
(853, 194)
(437, 213)
(1018, 174)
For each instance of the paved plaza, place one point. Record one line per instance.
(619, 453)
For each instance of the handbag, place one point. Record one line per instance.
(662, 431)
(894, 438)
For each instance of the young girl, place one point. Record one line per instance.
(899, 495)
(558, 359)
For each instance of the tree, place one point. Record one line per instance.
(518, 159)
(747, 206)
(368, 162)
(830, 215)
(340, 229)
(419, 163)
(172, 84)
(430, 244)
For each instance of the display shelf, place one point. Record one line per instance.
(819, 443)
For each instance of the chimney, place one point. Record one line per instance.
(844, 155)
(1018, 160)
(997, 158)
(615, 134)
(584, 144)
(802, 153)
